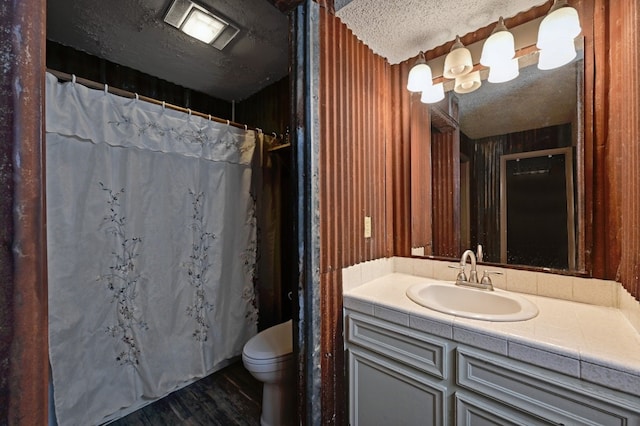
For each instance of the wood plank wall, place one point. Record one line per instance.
(72, 61)
(268, 109)
(421, 177)
(485, 156)
(364, 167)
(620, 116)
(445, 149)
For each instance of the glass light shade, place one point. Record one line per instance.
(501, 73)
(419, 78)
(499, 48)
(561, 23)
(458, 62)
(563, 52)
(202, 26)
(468, 83)
(433, 94)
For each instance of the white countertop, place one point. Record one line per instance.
(589, 342)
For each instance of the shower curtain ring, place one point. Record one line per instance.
(209, 117)
(245, 127)
(163, 104)
(228, 122)
(189, 111)
(106, 88)
(137, 97)
(73, 78)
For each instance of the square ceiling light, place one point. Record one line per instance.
(200, 23)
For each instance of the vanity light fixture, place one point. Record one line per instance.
(507, 71)
(556, 36)
(499, 47)
(433, 94)
(458, 62)
(200, 23)
(419, 76)
(468, 83)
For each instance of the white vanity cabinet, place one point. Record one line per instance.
(402, 376)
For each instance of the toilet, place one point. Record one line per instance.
(268, 356)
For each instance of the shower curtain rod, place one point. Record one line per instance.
(126, 94)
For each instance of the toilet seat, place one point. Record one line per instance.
(273, 345)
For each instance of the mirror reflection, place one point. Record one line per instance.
(519, 184)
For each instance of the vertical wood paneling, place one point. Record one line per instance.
(71, 61)
(400, 152)
(353, 149)
(352, 175)
(267, 109)
(623, 146)
(421, 184)
(445, 148)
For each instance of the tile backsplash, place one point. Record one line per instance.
(584, 290)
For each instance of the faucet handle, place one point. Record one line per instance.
(486, 279)
(461, 275)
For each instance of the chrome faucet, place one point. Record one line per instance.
(472, 281)
(473, 274)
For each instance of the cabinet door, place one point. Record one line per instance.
(383, 392)
(471, 410)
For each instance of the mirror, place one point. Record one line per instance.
(519, 188)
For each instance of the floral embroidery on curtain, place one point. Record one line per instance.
(122, 280)
(197, 267)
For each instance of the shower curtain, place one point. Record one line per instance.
(151, 249)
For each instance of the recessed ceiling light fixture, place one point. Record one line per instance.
(198, 22)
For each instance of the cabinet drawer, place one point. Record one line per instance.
(402, 344)
(560, 400)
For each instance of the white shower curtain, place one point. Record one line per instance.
(151, 249)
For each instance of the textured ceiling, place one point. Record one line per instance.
(132, 33)
(399, 29)
(534, 100)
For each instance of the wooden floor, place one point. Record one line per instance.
(230, 396)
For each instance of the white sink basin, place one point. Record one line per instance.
(497, 305)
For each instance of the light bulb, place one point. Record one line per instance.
(458, 62)
(468, 83)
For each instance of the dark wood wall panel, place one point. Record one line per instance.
(268, 109)
(353, 148)
(72, 61)
(399, 156)
(485, 156)
(421, 183)
(445, 151)
(623, 144)
(354, 112)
